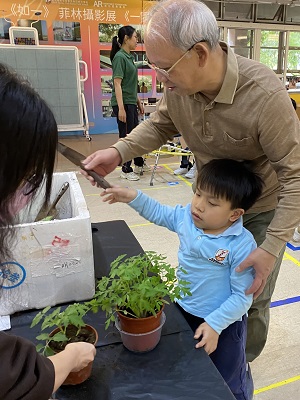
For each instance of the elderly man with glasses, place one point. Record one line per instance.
(225, 106)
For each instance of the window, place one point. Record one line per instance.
(293, 15)
(271, 42)
(240, 12)
(215, 7)
(271, 13)
(293, 61)
(241, 41)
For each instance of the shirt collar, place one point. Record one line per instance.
(234, 229)
(128, 55)
(228, 88)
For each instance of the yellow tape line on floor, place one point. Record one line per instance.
(278, 384)
(286, 255)
(171, 153)
(178, 176)
(138, 225)
(143, 190)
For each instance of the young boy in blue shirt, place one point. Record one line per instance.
(213, 242)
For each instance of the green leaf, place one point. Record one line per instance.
(137, 286)
(39, 316)
(43, 336)
(48, 351)
(59, 337)
(39, 347)
(72, 315)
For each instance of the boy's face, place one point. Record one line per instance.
(213, 215)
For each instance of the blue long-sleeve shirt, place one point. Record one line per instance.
(218, 291)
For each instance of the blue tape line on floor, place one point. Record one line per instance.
(286, 301)
(294, 248)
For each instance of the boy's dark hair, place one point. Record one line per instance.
(232, 180)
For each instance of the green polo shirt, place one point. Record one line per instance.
(124, 68)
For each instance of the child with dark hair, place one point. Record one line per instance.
(213, 242)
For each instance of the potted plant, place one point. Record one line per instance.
(136, 290)
(69, 327)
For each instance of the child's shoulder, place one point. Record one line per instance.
(246, 237)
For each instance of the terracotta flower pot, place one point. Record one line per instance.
(139, 325)
(75, 378)
(140, 334)
(141, 342)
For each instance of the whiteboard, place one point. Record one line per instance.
(54, 72)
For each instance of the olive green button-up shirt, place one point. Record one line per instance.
(251, 118)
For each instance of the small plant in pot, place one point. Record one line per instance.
(136, 290)
(69, 328)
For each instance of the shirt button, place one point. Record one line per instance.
(207, 123)
(199, 237)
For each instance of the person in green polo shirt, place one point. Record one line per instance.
(124, 98)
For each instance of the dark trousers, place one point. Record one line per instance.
(230, 355)
(259, 313)
(185, 161)
(132, 121)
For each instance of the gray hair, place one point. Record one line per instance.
(182, 23)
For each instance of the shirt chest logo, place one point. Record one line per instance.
(219, 256)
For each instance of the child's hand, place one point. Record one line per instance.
(118, 194)
(209, 338)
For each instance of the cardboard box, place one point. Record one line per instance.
(52, 260)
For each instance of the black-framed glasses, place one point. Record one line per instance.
(166, 71)
(32, 184)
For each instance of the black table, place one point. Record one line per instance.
(110, 240)
(174, 370)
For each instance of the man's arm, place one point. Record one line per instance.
(149, 135)
(279, 135)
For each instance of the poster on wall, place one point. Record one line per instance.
(89, 25)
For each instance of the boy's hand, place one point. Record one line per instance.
(118, 194)
(209, 338)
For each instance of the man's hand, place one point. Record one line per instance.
(209, 338)
(263, 263)
(118, 195)
(102, 161)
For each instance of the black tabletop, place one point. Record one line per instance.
(174, 370)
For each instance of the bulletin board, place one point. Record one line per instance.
(23, 36)
(54, 72)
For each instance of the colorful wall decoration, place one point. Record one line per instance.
(89, 25)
